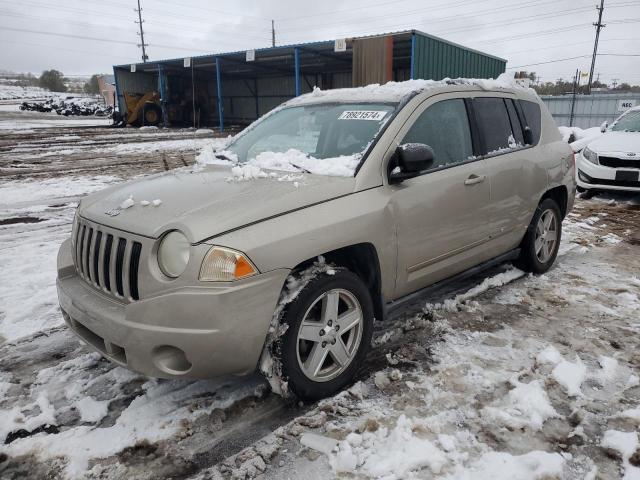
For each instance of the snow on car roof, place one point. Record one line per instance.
(394, 92)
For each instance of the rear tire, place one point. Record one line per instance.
(330, 324)
(540, 245)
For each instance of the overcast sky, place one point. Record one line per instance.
(81, 37)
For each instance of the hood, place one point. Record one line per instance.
(617, 142)
(206, 203)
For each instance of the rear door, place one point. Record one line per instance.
(441, 215)
(512, 185)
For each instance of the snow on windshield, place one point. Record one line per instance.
(322, 139)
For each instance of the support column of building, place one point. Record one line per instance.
(296, 61)
(219, 92)
(412, 74)
(162, 88)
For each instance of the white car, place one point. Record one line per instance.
(612, 161)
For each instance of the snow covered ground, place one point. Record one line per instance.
(13, 92)
(503, 375)
(522, 378)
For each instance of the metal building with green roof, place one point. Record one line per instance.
(235, 88)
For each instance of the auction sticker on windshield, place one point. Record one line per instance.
(375, 115)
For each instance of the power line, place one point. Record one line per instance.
(140, 21)
(188, 24)
(111, 29)
(548, 62)
(551, 47)
(97, 39)
(598, 26)
(432, 21)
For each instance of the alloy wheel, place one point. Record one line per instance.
(546, 236)
(329, 335)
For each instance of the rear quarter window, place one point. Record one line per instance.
(531, 112)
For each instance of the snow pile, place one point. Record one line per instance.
(579, 138)
(569, 375)
(295, 161)
(92, 410)
(246, 172)
(625, 444)
(292, 160)
(127, 203)
(396, 91)
(452, 304)
(526, 406)
(534, 465)
(384, 452)
(214, 153)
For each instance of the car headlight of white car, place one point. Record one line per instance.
(226, 265)
(590, 155)
(173, 254)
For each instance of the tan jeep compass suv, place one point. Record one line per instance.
(291, 242)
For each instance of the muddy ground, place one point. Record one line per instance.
(436, 356)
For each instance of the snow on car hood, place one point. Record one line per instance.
(208, 201)
(617, 142)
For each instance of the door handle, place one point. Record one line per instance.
(473, 179)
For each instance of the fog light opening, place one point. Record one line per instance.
(171, 360)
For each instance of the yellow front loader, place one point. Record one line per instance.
(143, 109)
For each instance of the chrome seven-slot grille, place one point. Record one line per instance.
(107, 259)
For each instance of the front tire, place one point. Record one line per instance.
(330, 324)
(540, 245)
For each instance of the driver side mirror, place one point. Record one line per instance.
(604, 126)
(412, 160)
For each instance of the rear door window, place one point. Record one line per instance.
(444, 126)
(531, 111)
(494, 123)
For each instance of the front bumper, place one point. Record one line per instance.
(201, 331)
(591, 176)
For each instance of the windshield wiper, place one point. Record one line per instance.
(222, 156)
(302, 169)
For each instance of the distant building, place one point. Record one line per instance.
(235, 88)
(107, 88)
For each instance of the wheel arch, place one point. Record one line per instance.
(361, 259)
(560, 195)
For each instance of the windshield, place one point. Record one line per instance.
(311, 135)
(629, 122)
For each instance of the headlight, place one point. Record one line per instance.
(225, 265)
(590, 155)
(173, 254)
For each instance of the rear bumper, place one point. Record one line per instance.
(202, 331)
(591, 176)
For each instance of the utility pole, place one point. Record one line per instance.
(614, 81)
(273, 33)
(576, 81)
(143, 45)
(598, 26)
